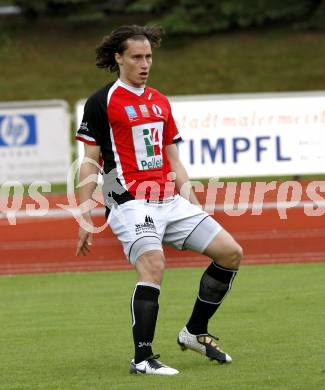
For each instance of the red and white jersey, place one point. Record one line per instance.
(132, 126)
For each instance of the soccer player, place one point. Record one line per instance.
(129, 126)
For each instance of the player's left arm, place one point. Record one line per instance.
(182, 181)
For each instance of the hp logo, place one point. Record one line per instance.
(17, 130)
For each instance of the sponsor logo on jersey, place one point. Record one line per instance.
(17, 130)
(144, 110)
(157, 110)
(147, 139)
(153, 163)
(132, 114)
(147, 227)
(151, 140)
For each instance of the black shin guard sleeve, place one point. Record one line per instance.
(215, 283)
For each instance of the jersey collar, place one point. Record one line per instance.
(137, 91)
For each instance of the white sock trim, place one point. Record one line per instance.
(223, 268)
(148, 284)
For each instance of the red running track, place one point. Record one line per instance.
(48, 244)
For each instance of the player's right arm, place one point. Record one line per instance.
(87, 184)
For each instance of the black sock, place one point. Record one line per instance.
(144, 310)
(204, 309)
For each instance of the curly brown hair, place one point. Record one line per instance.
(115, 42)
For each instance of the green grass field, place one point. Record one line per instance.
(72, 331)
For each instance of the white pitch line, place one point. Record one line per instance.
(100, 211)
(50, 213)
(265, 206)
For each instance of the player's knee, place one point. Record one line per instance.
(157, 263)
(151, 266)
(237, 255)
(233, 256)
(156, 271)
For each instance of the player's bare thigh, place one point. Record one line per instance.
(224, 250)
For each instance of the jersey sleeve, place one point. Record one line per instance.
(93, 122)
(171, 134)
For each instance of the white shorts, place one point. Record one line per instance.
(142, 226)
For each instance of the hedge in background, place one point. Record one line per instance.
(186, 16)
(72, 9)
(204, 16)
